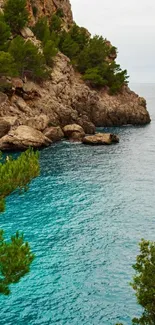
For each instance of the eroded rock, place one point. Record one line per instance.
(4, 127)
(101, 139)
(74, 132)
(22, 138)
(54, 133)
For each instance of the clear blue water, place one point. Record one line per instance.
(84, 217)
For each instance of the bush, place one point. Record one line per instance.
(7, 65)
(41, 30)
(95, 79)
(29, 61)
(16, 14)
(4, 34)
(68, 46)
(49, 51)
(55, 23)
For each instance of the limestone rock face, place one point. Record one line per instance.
(101, 139)
(54, 133)
(4, 127)
(74, 132)
(65, 99)
(38, 122)
(48, 8)
(22, 138)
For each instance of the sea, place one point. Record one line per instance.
(84, 217)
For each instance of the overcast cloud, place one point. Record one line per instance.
(129, 25)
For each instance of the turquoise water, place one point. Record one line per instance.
(84, 217)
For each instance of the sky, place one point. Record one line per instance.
(129, 25)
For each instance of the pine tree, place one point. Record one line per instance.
(15, 255)
(16, 14)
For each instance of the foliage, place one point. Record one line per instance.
(41, 29)
(68, 46)
(29, 61)
(15, 175)
(55, 23)
(79, 35)
(7, 65)
(98, 69)
(4, 34)
(49, 51)
(144, 282)
(60, 13)
(15, 256)
(16, 14)
(35, 10)
(15, 261)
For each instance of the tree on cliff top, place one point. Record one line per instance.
(15, 256)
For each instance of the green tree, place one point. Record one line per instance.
(68, 46)
(15, 255)
(15, 175)
(55, 23)
(79, 35)
(15, 261)
(7, 65)
(29, 61)
(94, 77)
(94, 54)
(4, 34)
(144, 282)
(41, 30)
(49, 51)
(16, 14)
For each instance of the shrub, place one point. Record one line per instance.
(35, 10)
(41, 29)
(4, 34)
(7, 65)
(29, 61)
(55, 23)
(68, 46)
(94, 77)
(49, 51)
(79, 35)
(16, 14)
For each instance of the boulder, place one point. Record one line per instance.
(38, 122)
(77, 137)
(27, 32)
(22, 138)
(4, 127)
(3, 98)
(74, 131)
(87, 125)
(54, 133)
(101, 139)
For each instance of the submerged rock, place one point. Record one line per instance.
(101, 139)
(22, 138)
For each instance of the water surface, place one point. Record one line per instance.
(84, 217)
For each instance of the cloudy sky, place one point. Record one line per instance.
(129, 25)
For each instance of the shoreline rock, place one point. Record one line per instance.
(101, 139)
(22, 138)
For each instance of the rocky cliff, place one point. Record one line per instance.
(65, 98)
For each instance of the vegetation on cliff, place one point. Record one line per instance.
(94, 57)
(15, 255)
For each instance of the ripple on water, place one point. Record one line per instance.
(83, 217)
